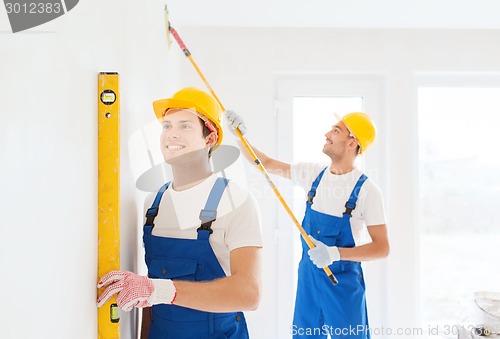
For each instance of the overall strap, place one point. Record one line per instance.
(209, 213)
(350, 205)
(312, 192)
(153, 210)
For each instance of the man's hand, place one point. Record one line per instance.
(322, 255)
(135, 290)
(235, 121)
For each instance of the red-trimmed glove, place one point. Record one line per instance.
(135, 290)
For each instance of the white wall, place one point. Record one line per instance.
(243, 65)
(337, 13)
(48, 140)
(48, 158)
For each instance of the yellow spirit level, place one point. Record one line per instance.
(108, 103)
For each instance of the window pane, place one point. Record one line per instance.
(459, 188)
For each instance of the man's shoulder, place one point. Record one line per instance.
(310, 167)
(239, 196)
(235, 199)
(304, 173)
(370, 181)
(150, 197)
(236, 187)
(371, 188)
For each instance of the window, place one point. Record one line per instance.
(459, 191)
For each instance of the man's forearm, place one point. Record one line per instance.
(272, 165)
(238, 292)
(378, 248)
(229, 294)
(370, 251)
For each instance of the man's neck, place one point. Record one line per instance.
(341, 167)
(188, 175)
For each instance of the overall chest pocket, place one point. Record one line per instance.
(175, 269)
(328, 233)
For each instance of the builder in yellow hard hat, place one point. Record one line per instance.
(202, 235)
(345, 219)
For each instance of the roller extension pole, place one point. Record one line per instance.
(246, 144)
(108, 103)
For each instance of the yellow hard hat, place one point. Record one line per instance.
(361, 127)
(192, 98)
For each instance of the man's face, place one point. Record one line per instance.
(337, 140)
(182, 134)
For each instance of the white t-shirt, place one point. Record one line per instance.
(237, 225)
(334, 191)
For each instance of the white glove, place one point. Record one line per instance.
(322, 255)
(135, 291)
(235, 121)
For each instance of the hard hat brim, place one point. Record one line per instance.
(161, 106)
(340, 119)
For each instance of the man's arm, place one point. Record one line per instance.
(378, 248)
(240, 291)
(272, 165)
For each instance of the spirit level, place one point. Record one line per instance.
(108, 195)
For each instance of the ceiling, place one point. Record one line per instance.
(454, 14)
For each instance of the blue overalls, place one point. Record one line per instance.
(320, 307)
(191, 260)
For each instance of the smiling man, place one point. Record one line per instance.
(202, 236)
(345, 218)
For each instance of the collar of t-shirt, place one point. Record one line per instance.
(188, 203)
(349, 176)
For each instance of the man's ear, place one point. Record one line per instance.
(353, 143)
(211, 139)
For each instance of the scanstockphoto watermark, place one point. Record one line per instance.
(330, 330)
(359, 330)
(26, 14)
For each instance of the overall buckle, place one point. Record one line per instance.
(207, 217)
(349, 207)
(151, 215)
(310, 197)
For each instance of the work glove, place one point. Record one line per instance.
(135, 290)
(235, 121)
(322, 255)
